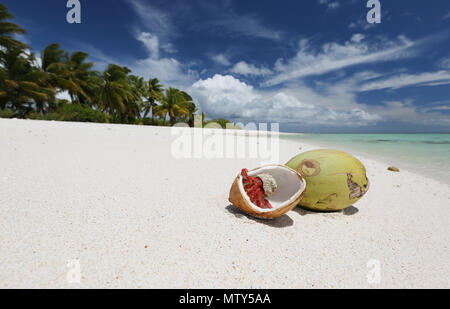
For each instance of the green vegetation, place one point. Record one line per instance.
(72, 112)
(7, 113)
(29, 89)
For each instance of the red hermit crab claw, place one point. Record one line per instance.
(253, 186)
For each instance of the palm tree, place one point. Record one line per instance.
(67, 73)
(174, 104)
(27, 87)
(80, 73)
(8, 29)
(140, 90)
(138, 85)
(53, 54)
(155, 93)
(191, 107)
(24, 87)
(115, 96)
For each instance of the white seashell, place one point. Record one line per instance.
(269, 184)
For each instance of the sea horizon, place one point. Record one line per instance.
(339, 133)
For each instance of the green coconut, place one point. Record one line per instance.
(335, 180)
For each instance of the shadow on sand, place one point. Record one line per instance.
(285, 220)
(352, 210)
(280, 222)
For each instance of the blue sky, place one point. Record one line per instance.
(312, 66)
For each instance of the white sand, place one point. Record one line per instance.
(101, 193)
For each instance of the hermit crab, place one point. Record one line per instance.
(267, 192)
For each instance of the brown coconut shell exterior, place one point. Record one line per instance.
(237, 199)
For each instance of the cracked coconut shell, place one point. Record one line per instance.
(290, 190)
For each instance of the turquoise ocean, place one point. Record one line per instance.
(426, 154)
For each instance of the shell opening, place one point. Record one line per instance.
(289, 186)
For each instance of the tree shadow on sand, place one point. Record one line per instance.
(280, 222)
(350, 211)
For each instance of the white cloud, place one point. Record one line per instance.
(64, 95)
(169, 48)
(38, 61)
(334, 105)
(159, 30)
(330, 4)
(243, 68)
(222, 19)
(406, 111)
(440, 108)
(217, 16)
(220, 59)
(341, 97)
(406, 80)
(153, 19)
(167, 69)
(335, 56)
(357, 37)
(446, 16)
(151, 42)
(361, 23)
(445, 63)
(334, 5)
(226, 96)
(246, 25)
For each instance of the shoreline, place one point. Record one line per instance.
(113, 198)
(406, 165)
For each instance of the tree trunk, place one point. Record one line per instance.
(153, 115)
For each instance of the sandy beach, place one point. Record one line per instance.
(114, 199)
